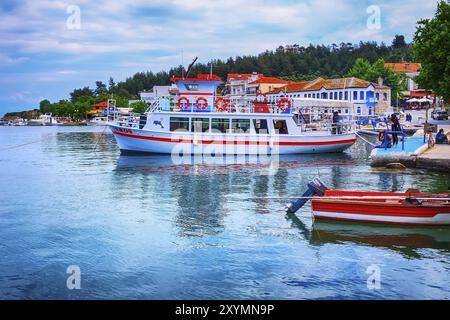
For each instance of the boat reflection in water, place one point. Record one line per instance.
(201, 191)
(189, 164)
(405, 240)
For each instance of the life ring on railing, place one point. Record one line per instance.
(201, 106)
(258, 100)
(183, 103)
(221, 104)
(284, 104)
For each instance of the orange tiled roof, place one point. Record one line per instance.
(241, 76)
(269, 80)
(317, 84)
(404, 67)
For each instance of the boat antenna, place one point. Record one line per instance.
(190, 67)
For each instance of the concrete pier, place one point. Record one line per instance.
(436, 158)
(416, 154)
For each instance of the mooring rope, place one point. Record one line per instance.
(98, 139)
(22, 145)
(372, 144)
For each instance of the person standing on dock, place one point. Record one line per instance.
(395, 127)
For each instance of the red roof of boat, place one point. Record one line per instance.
(200, 78)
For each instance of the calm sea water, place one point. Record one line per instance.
(144, 228)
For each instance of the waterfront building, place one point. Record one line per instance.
(409, 69)
(368, 98)
(245, 86)
(98, 108)
(157, 92)
(265, 85)
(237, 84)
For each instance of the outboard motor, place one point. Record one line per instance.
(315, 188)
(142, 120)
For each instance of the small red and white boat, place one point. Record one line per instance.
(383, 207)
(407, 208)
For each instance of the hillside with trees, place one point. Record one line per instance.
(292, 62)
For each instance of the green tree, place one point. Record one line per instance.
(111, 85)
(80, 109)
(64, 108)
(431, 48)
(100, 88)
(139, 106)
(45, 106)
(85, 91)
(362, 69)
(399, 41)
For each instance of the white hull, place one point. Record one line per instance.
(438, 219)
(99, 123)
(147, 141)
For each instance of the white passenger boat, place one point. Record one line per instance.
(197, 121)
(43, 120)
(98, 121)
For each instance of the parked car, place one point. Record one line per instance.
(439, 115)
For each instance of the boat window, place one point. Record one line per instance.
(179, 123)
(280, 126)
(191, 86)
(220, 125)
(200, 124)
(260, 126)
(240, 125)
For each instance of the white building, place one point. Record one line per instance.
(368, 98)
(237, 84)
(410, 69)
(158, 92)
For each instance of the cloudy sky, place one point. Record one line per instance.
(46, 49)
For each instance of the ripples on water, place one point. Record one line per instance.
(145, 228)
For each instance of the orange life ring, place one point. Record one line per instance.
(284, 104)
(221, 104)
(180, 102)
(197, 103)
